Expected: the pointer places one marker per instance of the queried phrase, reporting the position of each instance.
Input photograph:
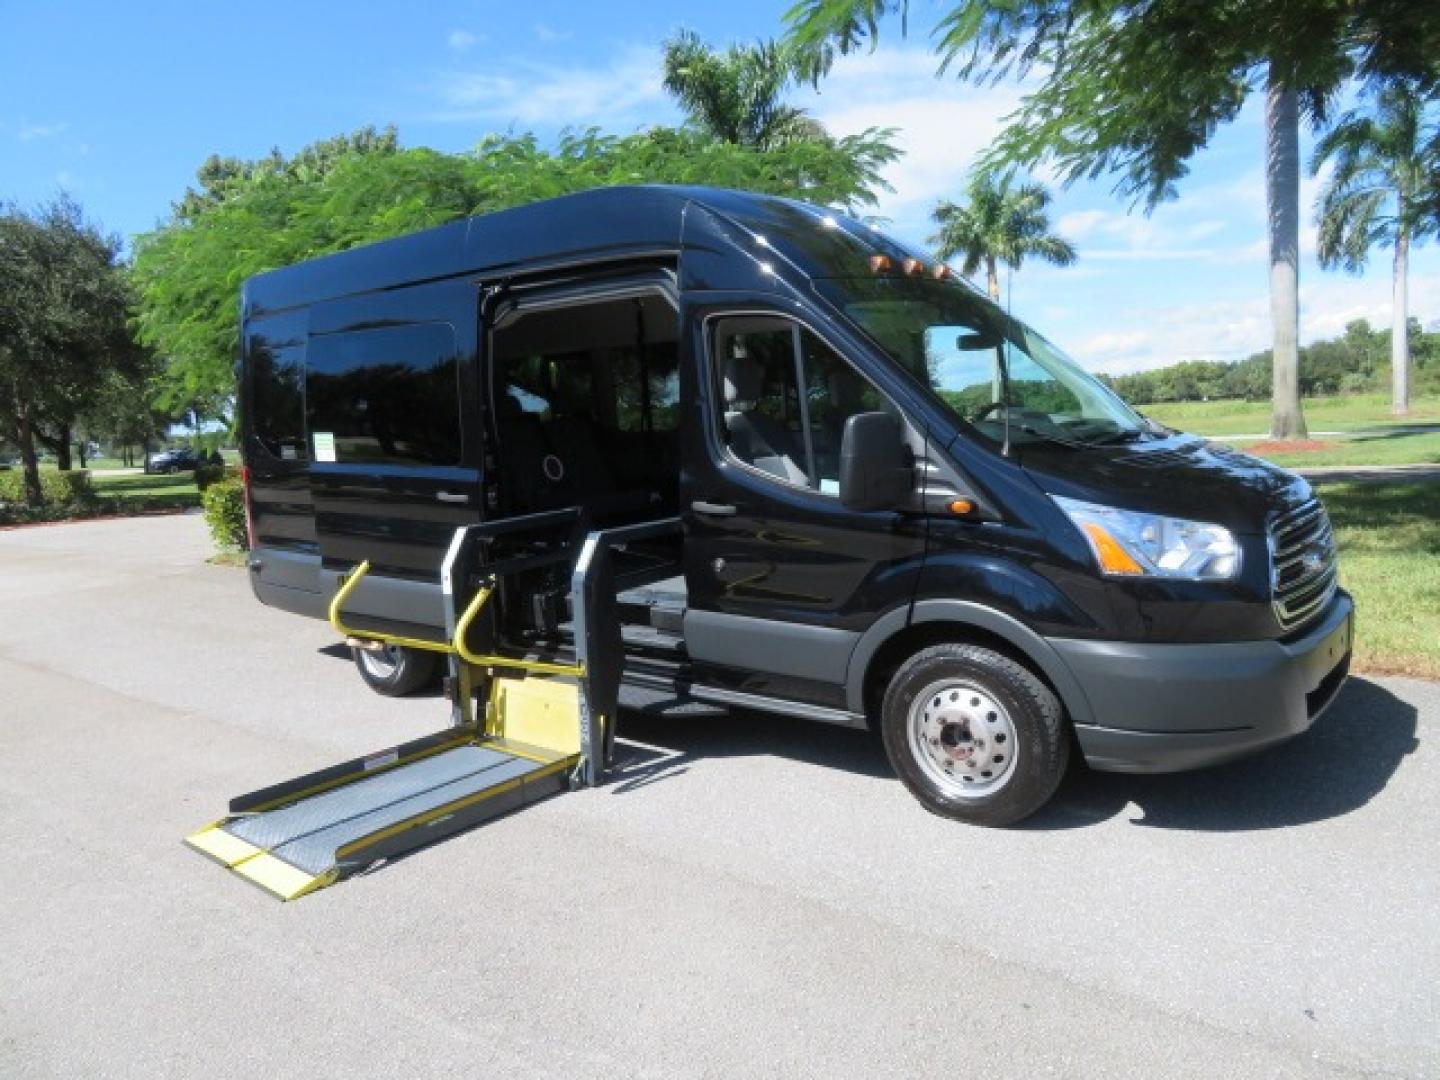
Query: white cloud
(549, 34)
(26, 131)
(943, 124)
(460, 40)
(550, 95)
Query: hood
(1177, 475)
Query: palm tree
(1385, 190)
(999, 224)
(735, 95)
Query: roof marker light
(881, 264)
(913, 267)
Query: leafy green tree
(190, 270)
(1136, 87)
(999, 223)
(120, 411)
(63, 326)
(219, 177)
(1383, 190)
(737, 96)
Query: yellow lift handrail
(343, 594)
(462, 628)
(538, 667)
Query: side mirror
(876, 472)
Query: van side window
(387, 396)
(277, 396)
(761, 364)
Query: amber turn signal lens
(1114, 559)
(943, 273)
(962, 506)
(881, 264)
(914, 267)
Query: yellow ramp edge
(279, 878)
(216, 843)
(259, 867)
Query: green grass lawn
(1389, 537)
(155, 492)
(1347, 413)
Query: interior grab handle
(452, 496)
(713, 509)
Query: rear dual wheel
(974, 735)
(394, 670)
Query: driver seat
(755, 438)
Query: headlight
(1130, 544)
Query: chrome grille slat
(1296, 596)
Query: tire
(396, 671)
(974, 735)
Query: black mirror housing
(876, 471)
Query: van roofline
(600, 223)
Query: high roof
(612, 222)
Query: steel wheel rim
(962, 738)
(381, 663)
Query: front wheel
(974, 735)
(394, 670)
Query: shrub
(224, 503)
(206, 475)
(58, 488)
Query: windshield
(993, 371)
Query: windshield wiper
(1123, 435)
(1059, 440)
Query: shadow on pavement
(1338, 766)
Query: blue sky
(120, 103)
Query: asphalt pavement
(749, 896)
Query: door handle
(713, 509)
(452, 496)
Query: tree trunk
(80, 449)
(62, 449)
(1282, 197)
(25, 440)
(992, 278)
(1400, 329)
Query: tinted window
(388, 396)
(277, 398)
(762, 362)
(273, 397)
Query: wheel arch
(902, 632)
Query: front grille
(1304, 572)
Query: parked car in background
(181, 459)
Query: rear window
(386, 396)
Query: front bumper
(1165, 708)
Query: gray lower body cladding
(1165, 708)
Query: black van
(901, 507)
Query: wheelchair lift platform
(546, 727)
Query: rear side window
(276, 401)
(386, 396)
